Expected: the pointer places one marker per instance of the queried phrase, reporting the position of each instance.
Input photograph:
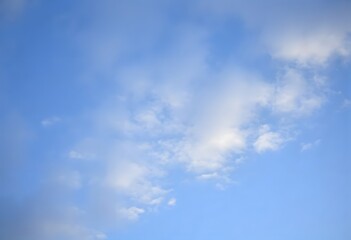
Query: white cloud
(50, 121)
(178, 107)
(100, 236)
(297, 95)
(135, 181)
(221, 179)
(206, 176)
(310, 41)
(175, 110)
(148, 118)
(75, 155)
(312, 48)
(268, 140)
(208, 132)
(131, 213)
(71, 179)
(346, 103)
(310, 145)
(209, 152)
(86, 149)
(172, 202)
(218, 130)
(309, 36)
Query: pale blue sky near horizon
(175, 120)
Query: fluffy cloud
(219, 129)
(297, 95)
(268, 140)
(134, 180)
(210, 120)
(315, 47)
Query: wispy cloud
(172, 202)
(346, 103)
(310, 145)
(296, 94)
(131, 213)
(47, 122)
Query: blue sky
(175, 119)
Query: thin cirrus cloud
(175, 103)
(47, 122)
(310, 145)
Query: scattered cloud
(346, 103)
(218, 131)
(181, 106)
(172, 202)
(131, 213)
(291, 33)
(135, 181)
(136, 138)
(310, 145)
(47, 122)
(221, 179)
(297, 95)
(76, 155)
(70, 179)
(311, 48)
(207, 176)
(268, 140)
